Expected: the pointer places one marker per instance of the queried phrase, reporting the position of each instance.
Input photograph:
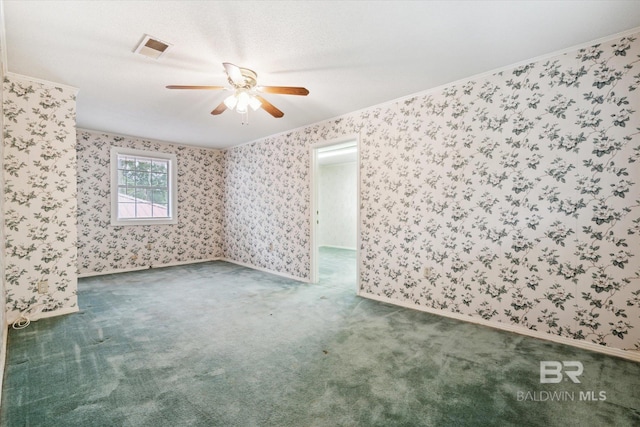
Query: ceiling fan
(244, 83)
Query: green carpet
(215, 344)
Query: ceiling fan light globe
(254, 103)
(243, 82)
(243, 101)
(231, 102)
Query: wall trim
(146, 139)
(44, 315)
(3, 286)
(41, 81)
(3, 356)
(175, 264)
(172, 186)
(47, 314)
(453, 83)
(106, 272)
(313, 185)
(266, 270)
(338, 247)
(584, 345)
(504, 68)
(128, 270)
(3, 56)
(193, 261)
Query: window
(143, 186)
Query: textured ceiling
(349, 54)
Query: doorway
(335, 205)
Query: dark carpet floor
(215, 344)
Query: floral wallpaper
(338, 205)
(197, 235)
(513, 197)
(39, 195)
(520, 193)
(3, 313)
(266, 221)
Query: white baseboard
(265, 270)
(196, 261)
(337, 247)
(173, 264)
(13, 316)
(106, 272)
(127, 270)
(3, 357)
(585, 345)
(55, 313)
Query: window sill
(127, 222)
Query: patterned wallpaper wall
(3, 304)
(266, 221)
(39, 195)
(519, 191)
(198, 234)
(338, 205)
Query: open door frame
(315, 267)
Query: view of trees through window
(143, 187)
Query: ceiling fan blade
(195, 87)
(284, 90)
(269, 108)
(234, 73)
(219, 109)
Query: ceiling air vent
(152, 47)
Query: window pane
(160, 166)
(125, 162)
(158, 180)
(160, 211)
(142, 185)
(125, 177)
(143, 194)
(160, 196)
(142, 179)
(125, 195)
(143, 165)
(126, 210)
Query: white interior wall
(338, 204)
(3, 315)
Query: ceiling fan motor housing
(250, 78)
(245, 81)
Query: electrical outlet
(43, 286)
(427, 272)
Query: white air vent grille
(151, 47)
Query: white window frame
(172, 181)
